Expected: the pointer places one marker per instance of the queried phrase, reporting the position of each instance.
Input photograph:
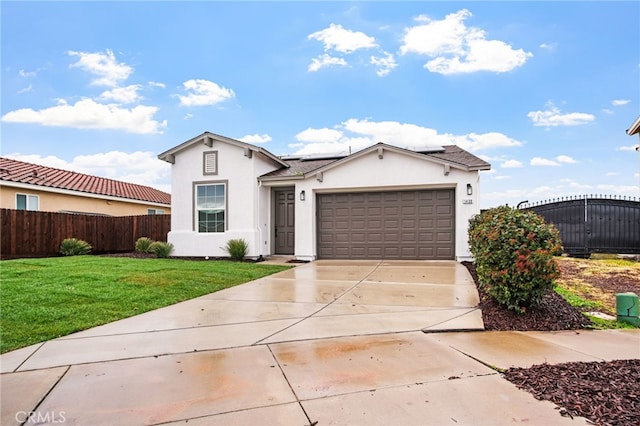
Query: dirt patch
(599, 280)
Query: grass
(575, 299)
(47, 298)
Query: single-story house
(382, 202)
(27, 186)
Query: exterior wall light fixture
(302, 195)
(469, 189)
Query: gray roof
(450, 154)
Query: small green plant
(513, 251)
(74, 247)
(237, 249)
(161, 249)
(143, 244)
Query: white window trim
(155, 211)
(37, 197)
(194, 214)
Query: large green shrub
(143, 244)
(74, 246)
(237, 249)
(513, 251)
(161, 249)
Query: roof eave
(169, 155)
(279, 178)
(635, 127)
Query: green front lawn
(42, 299)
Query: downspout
(259, 220)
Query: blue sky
(544, 91)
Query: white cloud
(324, 61)
(204, 92)
(123, 95)
(457, 49)
(157, 84)
(88, 114)
(631, 190)
(104, 65)
(27, 89)
(384, 63)
(256, 138)
(612, 174)
(553, 117)
(140, 167)
(538, 161)
(627, 148)
(319, 135)
(335, 37)
(27, 74)
(548, 46)
(566, 159)
(607, 111)
(620, 102)
(355, 134)
(511, 164)
(475, 142)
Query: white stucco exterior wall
(247, 213)
(395, 171)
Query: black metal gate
(594, 224)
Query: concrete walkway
(330, 342)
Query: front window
(155, 211)
(211, 206)
(27, 202)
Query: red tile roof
(34, 174)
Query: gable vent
(211, 163)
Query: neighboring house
(26, 186)
(382, 202)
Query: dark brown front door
(285, 221)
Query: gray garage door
(387, 225)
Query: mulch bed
(605, 393)
(554, 313)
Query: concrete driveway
(330, 342)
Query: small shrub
(74, 247)
(513, 251)
(161, 249)
(143, 244)
(237, 249)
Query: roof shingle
(34, 174)
(450, 153)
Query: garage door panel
(374, 224)
(408, 224)
(374, 237)
(393, 225)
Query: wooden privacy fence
(39, 234)
(594, 224)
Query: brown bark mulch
(605, 393)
